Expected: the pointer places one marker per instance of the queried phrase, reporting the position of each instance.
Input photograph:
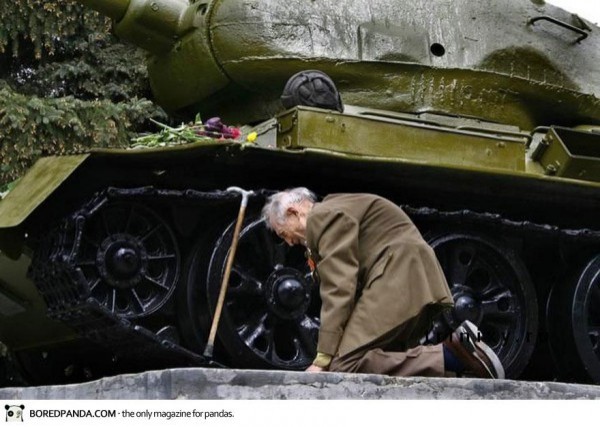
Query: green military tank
(481, 119)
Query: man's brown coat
(375, 269)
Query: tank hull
(524, 241)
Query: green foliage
(66, 84)
(44, 24)
(6, 188)
(33, 126)
(99, 69)
(59, 49)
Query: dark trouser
(388, 355)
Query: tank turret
(536, 65)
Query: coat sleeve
(336, 241)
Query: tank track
(67, 293)
(497, 223)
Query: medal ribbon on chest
(312, 265)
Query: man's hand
(321, 363)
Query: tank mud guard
(45, 176)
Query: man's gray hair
(277, 204)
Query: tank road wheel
(270, 318)
(491, 288)
(573, 314)
(192, 304)
(129, 258)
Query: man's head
(286, 213)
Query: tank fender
(45, 176)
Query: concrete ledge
(202, 383)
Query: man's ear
(291, 210)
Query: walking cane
(208, 350)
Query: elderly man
(380, 284)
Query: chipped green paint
(41, 180)
(232, 59)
